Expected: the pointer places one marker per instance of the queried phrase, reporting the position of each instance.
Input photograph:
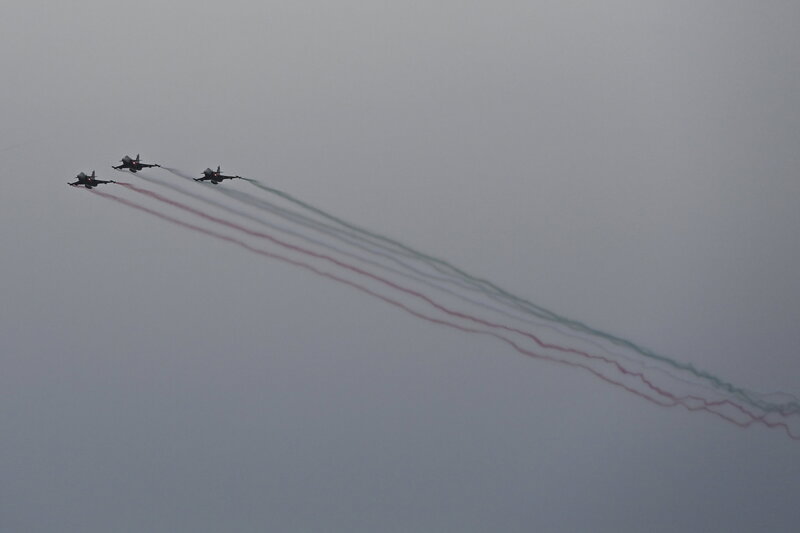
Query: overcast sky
(631, 164)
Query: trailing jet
(88, 181)
(134, 165)
(214, 176)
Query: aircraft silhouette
(134, 165)
(214, 176)
(88, 181)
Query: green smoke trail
(486, 285)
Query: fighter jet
(88, 181)
(134, 165)
(214, 176)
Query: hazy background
(632, 164)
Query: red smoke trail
(673, 400)
(381, 251)
(370, 275)
(386, 299)
(537, 340)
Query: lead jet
(88, 181)
(214, 176)
(134, 165)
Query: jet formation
(88, 181)
(215, 176)
(134, 165)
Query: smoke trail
(420, 277)
(672, 400)
(751, 397)
(374, 277)
(372, 247)
(291, 216)
(637, 375)
(332, 230)
(745, 395)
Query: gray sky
(633, 165)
